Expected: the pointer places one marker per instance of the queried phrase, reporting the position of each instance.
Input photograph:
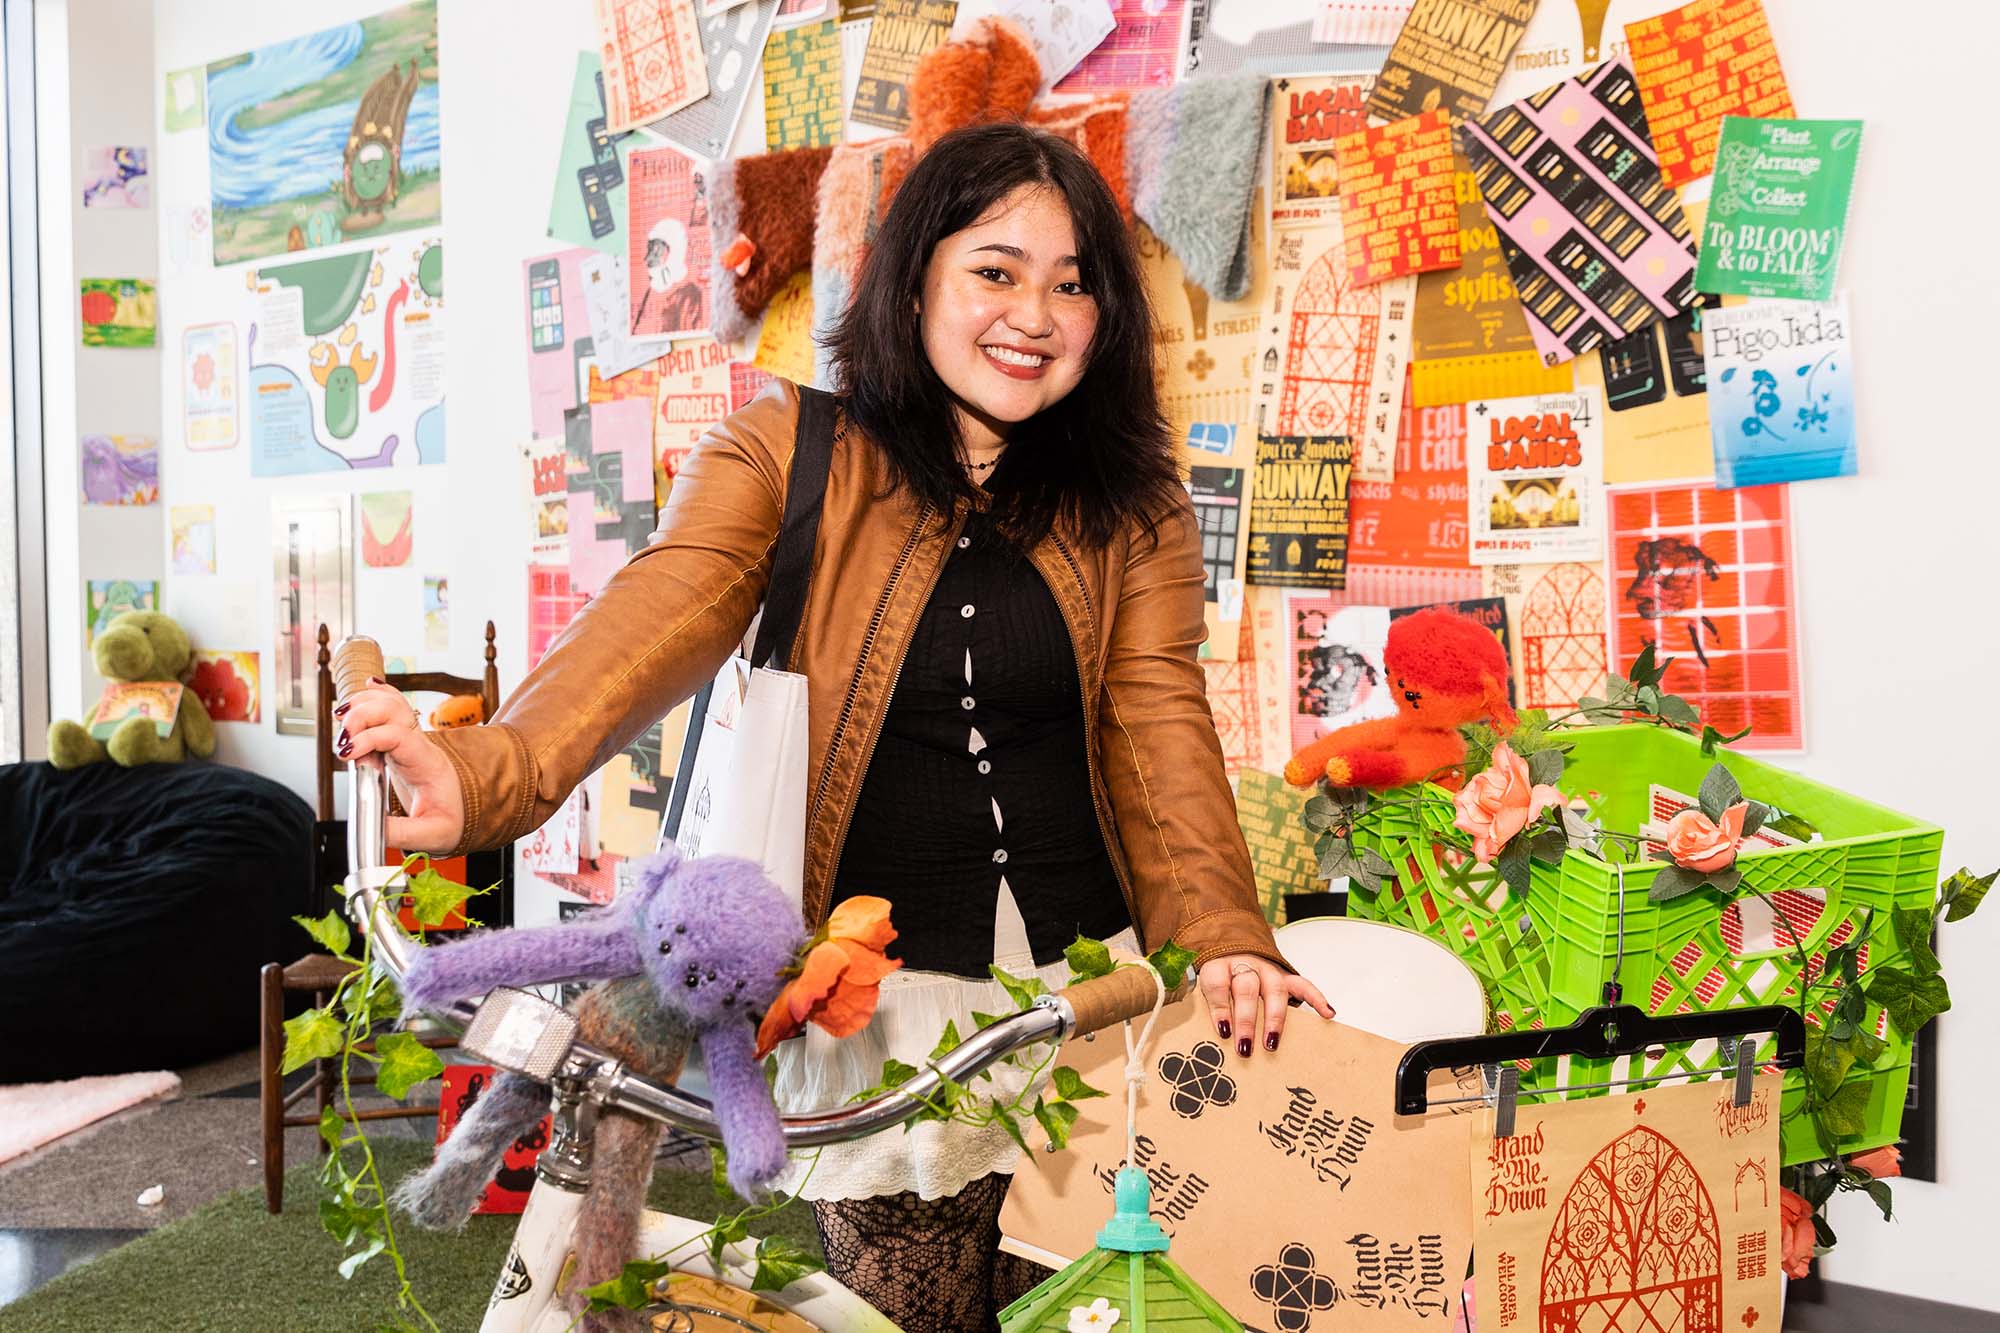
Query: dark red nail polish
(377, 680)
(341, 710)
(1243, 1047)
(1222, 1029)
(1270, 1041)
(343, 740)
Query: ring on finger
(1238, 969)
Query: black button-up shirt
(980, 773)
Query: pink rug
(32, 1114)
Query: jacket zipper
(854, 688)
(1090, 748)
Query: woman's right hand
(377, 719)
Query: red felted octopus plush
(1445, 669)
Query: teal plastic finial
(1132, 1229)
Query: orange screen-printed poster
(1417, 520)
(1399, 207)
(1652, 1210)
(1704, 61)
(1706, 575)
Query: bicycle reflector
(520, 1031)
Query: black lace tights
(931, 1265)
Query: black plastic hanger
(1606, 1032)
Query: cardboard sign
(158, 701)
(1291, 1190)
(507, 1192)
(1649, 1210)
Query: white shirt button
(966, 703)
(1000, 856)
(986, 766)
(965, 612)
(964, 542)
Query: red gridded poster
(1144, 51)
(1707, 575)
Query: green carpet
(232, 1266)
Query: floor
(72, 1200)
(76, 1198)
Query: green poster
(1779, 209)
(587, 205)
(1281, 851)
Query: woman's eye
(992, 274)
(1071, 289)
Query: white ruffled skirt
(817, 1072)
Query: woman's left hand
(1248, 995)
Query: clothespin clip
(1742, 1051)
(1502, 1086)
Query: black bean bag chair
(136, 907)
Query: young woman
(1010, 737)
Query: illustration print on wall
(326, 138)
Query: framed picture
(312, 581)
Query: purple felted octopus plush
(713, 935)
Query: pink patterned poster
(667, 223)
(1599, 245)
(1144, 52)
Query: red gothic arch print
(1635, 1247)
(1562, 637)
(1329, 352)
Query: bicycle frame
(527, 1298)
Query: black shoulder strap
(805, 497)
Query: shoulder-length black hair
(1098, 462)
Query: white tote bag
(746, 787)
(742, 782)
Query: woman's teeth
(1014, 358)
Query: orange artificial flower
(1881, 1163)
(1795, 1226)
(840, 978)
(1499, 802)
(1698, 844)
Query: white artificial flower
(1098, 1316)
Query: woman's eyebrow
(1016, 252)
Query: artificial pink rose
(1881, 1163)
(1795, 1227)
(1499, 802)
(1697, 844)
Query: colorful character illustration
(342, 382)
(371, 168)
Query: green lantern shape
(1126, 1285)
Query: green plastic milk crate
(1546, 959)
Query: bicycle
(522, 1032)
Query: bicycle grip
(1128, 992)
(354, 661)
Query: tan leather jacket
(669, 619)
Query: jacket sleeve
(659, 628)
(1162, 760)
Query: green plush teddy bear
(162, 720)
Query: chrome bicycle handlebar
(1086, 1007)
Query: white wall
(91, 390)
(1900, 640)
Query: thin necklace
(981, 467)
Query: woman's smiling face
(1006, 320)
